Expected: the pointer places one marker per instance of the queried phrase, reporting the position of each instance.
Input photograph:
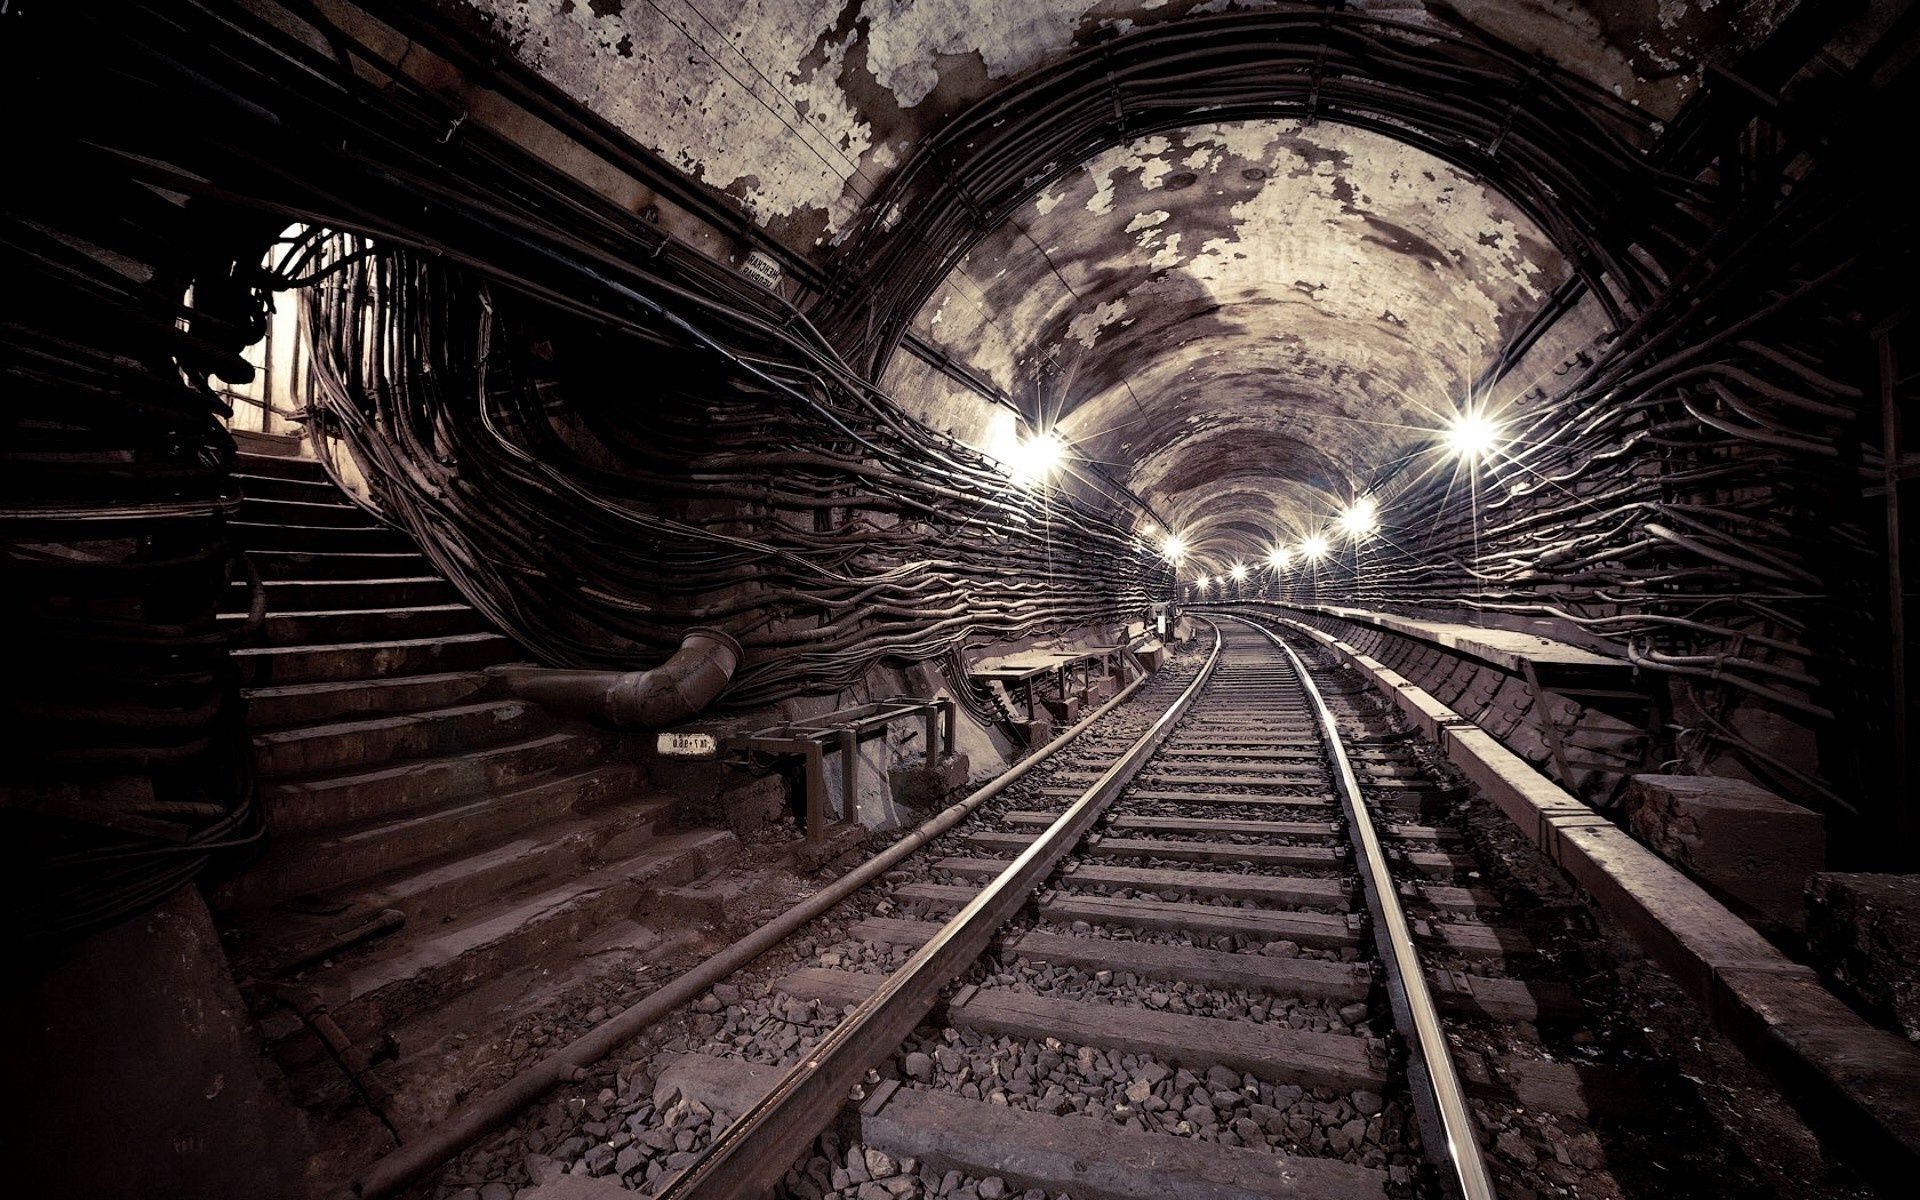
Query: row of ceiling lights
(1469, 436)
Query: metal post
(849, 772)
(816, 791)
(1904, 819)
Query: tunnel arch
(1572, 157)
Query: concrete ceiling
(800, 108)
(1242, 320)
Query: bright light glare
(1471, 435)
(1314, 548)
(1035, 459)
(1174, 548)
(1201, 582)
(1239, 572)
(1361, 518)
(1280, 559)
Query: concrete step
(265, 666)
(325, 595)
(343, 626)
(340, 801)
(253, 535)
(337, 746)
(335, 511)
(425, 966)
(279, 466)
(305, 703)
(337, 564)
(442, 861)
(275, 487)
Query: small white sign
(689, 745)
(760, 266)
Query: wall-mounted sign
(759, 265)
(688, 745)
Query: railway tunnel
(960, 599)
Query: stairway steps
(338, 801)
(325, 595)
(280, 487)
(421, 968)
(279, 466)
(269, 665)
(337, 564)
(335, 700)
(382, 860)
(333, 512)
(350, 625)
(252, 535)
(368, 742)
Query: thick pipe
(673, 691)
(460, 1130)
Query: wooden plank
(1216, 852)
(1269, 889)
(1272, 1052)
(1222, 825)
(1186, 797)
(1327, 930)
(1306, 978)
(1320, 930)
(1096, 1159)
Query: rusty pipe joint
(675, 690)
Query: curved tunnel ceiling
(1243, 321)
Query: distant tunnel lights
(1361, 518)
(1174, 548)
(1280, 559)
(1314, 548)
(1035, 459)
(1239, 572)
(1471, 436)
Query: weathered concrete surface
(800, 108)
(1248, 317)
(925, 787)
(150, 1090)
(1748, 846)
(1863, 932)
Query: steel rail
(1444, 1107)
(752, 1154)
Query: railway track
(1233, 932)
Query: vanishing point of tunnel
(959, 599)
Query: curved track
(1235, 819)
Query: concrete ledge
(1509, 650)
(1861, 1084)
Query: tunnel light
(1314, 548)
(1174, 548)
(1035, 459)
(1239, 572)
(1471, 435)
(1361, 518)
(1280, 559)
(1201, 581)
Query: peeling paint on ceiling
(1244, 320)
(800, 108)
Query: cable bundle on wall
(1693, 498)
(631, 485)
